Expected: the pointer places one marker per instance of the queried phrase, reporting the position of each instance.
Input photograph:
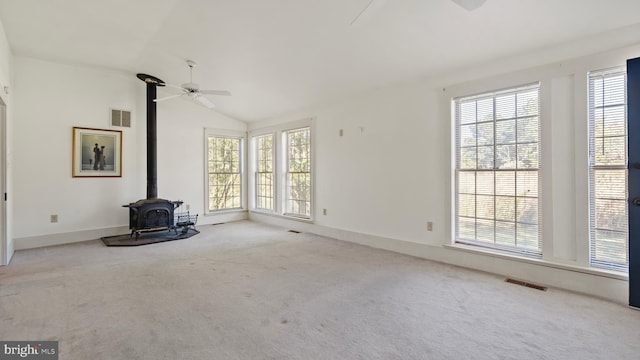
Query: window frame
(256, 171)
(208, 133)
(593, 167)
(280, 155)
(287, 172)
(494, 169)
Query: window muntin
(608, 169)
(298, 172)
(224, 173)
(264, 175)
(497, 170)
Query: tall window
(497, 165)
(224, 171)
(608, 169)
(264, 175)
(298, 172)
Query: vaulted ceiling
(277, 56)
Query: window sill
(282, 216)
(507, 256)
(225, 212)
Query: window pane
(614, 90)
(485, 230)
(466, 182)
(610, 184)
(484, 207)
(506, 107)
(505, 208)
(611, 214)
(528, 156)
(485, 183)
(485, 134)
(527, 210)
(506, 156)
(527, 236)
(528, 129)
(610, 248)
(467, 228)
(611, 151)
(467, 113)
(527, 103)
(506, 132)
(506, 183)
(527, 183)
(467, 205)
(468, 158)
(485, 110)
(505, 233)
(468, 135)
(485, 157)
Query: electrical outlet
(429, 226)
(324, 211)
(188, 207)
(54, 218)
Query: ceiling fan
(192, 90)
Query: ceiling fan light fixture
(469, 5)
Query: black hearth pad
(147, 238)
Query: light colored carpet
(249, 291)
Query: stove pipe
(152, 151)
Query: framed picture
(96, 153)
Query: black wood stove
(151, 214)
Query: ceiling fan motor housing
(191, 87)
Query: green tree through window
(298, 174)
(224, 171)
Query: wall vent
(120, 118)
(524, 283)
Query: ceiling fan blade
(174, 86)
(469, 5)
(215, 92)
(167, 97)
(204, 101)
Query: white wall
(391, 172)
(51, 99)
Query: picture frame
(96, 152)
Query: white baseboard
(222, 217)
(552, 275)
(31, 242)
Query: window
(497, 167)
(264, 174)
(281, 159)
(298, 173)
(608, 169)
(224, 172)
